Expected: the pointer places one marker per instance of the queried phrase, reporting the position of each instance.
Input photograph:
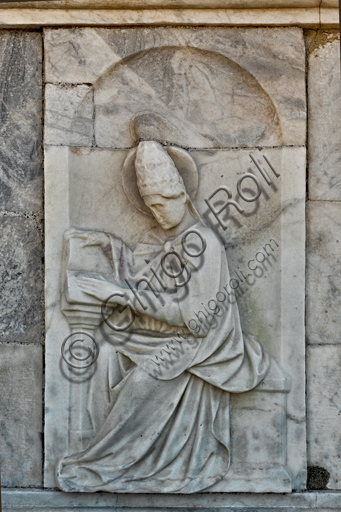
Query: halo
(183, 162)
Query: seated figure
(164, 426)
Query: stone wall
(22, 262)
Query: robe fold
(159, 401)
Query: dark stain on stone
(319, 38)
(318, 478)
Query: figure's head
(168, 211)
(160, 184)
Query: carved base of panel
(47, 500)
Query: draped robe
(159, 401)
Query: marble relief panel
(186, 145)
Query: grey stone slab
(328, 500)
(212, 87)
(21, 281)
(20, 415)
(44, 500)
(324, 120)
(323, 304)
(21, 120)
(324, 412)
(68, 115)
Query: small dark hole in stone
(318, 478)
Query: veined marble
(183, 124)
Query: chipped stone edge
(35, 18)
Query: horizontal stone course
(47, 500)
(201, 4)
(314, 17)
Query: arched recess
(194, 98)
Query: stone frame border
(52, 17)
(45, 501)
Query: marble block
(20, 415)
(47, 500)
(324, 114)
(21, 281)
(213, 87)
(41, 15)
(85, 56)
(68, 115)
(323, 272)
(20, 127)
(271, 456)
(169, 4)
(329, 3)
(189, 186)
(324, 410)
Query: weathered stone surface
(68, 115)
(324, 114)
(329, 3)
(311, 18)
(91, 59)
(21, 281)
(329, 18)
(141, 70)
(20, 415)
(324, 410)
(20, 120)
(47, 500)
(323, 272)
(220, 94)
(169, 4)
(76, 196)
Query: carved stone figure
(159, 398)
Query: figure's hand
(95, 238)
(101, 290)
(90, 238)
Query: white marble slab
(68, 115)
(323, 272)
(260, 74)
(76, 196)
(324, 410)
(324, 114)
(227, 102)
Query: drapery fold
(163, 426)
